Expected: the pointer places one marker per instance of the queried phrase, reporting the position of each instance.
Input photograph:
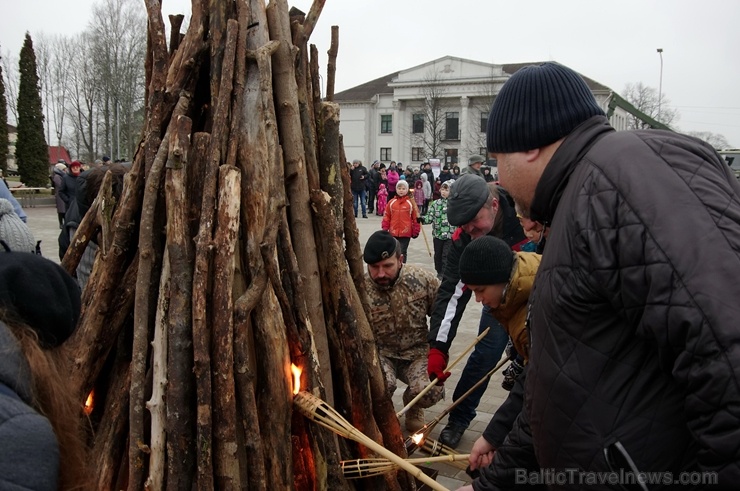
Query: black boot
(451, 435)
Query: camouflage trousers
(414, 374)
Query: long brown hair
(53, 399)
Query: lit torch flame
(417, 438)
(296, 378)
(88, 409)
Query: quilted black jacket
(635, 315)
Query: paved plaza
(43, 223)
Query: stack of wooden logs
(232, 253)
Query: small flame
(296, 378)
(88, 409)
(417, 438)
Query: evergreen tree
(31, 151)
(3, 125)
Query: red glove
(436, 363)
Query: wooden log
(340, 299)
(224, 408)
(274, 400)
(156, 404)
(156, 116)
(286, 100)
(175, 24)
(138, 448)
(181, 385)
(331, 66)
(110, 439)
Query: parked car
(732, 157)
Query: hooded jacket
(400, 217)
(512, 312)
(29, 455)
(634, 315)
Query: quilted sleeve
(663, 244)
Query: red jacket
(400, 218)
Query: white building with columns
(435, 110)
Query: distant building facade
(435, 110)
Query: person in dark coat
(634, 362)
(358, 184)
(60, 171)
(42, 446)
(373, 184)
(68, 189)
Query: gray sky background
(612, 42)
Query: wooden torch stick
(319, 411)
(356, 469)
(449, 367)
(411, 446)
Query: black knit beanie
(537, 106)
(41, 294)
(486, 261)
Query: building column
(464, 132)
(397, 151)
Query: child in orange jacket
(401, 218)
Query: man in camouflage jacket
(400, 299)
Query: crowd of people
(606, 263)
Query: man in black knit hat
(634, 361)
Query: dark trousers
(359, 196)
(404, 246)
(484, 357)
(371, 200)
(441, 249)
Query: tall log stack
(231, 254)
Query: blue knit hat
(537, 106)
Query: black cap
(486, 261)
(41, 294)
(537, 106)
(468, 194)
(381, 245)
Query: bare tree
(118, 30)
(83, 97)
(717, 141)
(646, 100)
(429, 132)
(480, 105)
(10, 77)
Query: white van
(732, 157)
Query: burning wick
(88, 408)
(417, 438)
(296, 378)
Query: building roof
(58, 153)
(595, 86)
(368, 90)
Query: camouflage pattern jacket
(398, 313)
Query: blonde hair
(53, 399)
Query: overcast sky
(613, 42)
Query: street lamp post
(660, 86)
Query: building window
(483, 122)
(452, 126)
(417, 123)
(385, 154)
(451, 155)
(482, 151)
(417, 154)
(386, 123)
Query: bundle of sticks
(229, 255)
